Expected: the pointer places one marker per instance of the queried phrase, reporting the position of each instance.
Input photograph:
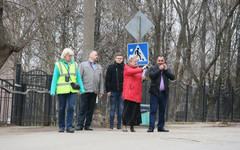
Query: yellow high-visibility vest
(64, 87)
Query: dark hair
(118, 54)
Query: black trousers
(86, 109)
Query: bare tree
(9, 41)
(238, 56)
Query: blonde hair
(67, 51)
(132, 57)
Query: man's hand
(79, 93)
(163, 67)
(144, 77)
(144, 67)
(100, 95)
(108, 94)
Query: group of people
(123, 84)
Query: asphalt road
(190, 136)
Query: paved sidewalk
(189, 136)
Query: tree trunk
(238, 57)
(203, 43)
(156, 13)
(182, 35)
(89, 26)
(5, 50)
(97, 23)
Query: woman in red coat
(132, 93)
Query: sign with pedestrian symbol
(141, 51)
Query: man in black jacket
(159, 91)
(114, 86)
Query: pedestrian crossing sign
(140, 50)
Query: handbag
(75, 85)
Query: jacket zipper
(130, 87)
(117, 79)
(138, 94)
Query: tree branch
(26, 41)
(219, 37)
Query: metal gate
(6, 99)
(33, 105)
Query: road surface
(182, 136)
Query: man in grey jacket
(92, 77)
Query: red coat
(132, 84)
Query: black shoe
(110, 127)
(119, 127)
(150, 130)
(163, 130)
(88, 128)
(132, 129)
(79, 128)
(61, 130)
(70, 130)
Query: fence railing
(194, 103)
(6, 100)
(22, 105)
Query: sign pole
(139, 29)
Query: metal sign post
(139, 29)
(138, 26)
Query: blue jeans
(86, 108)
(116, 101)
(70, 100)
(155, 102)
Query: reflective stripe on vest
(64, 87)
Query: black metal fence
(36, 105)
(31, 104)
(193, 103)
(26, 101)
(199, 104)
(6, 100)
